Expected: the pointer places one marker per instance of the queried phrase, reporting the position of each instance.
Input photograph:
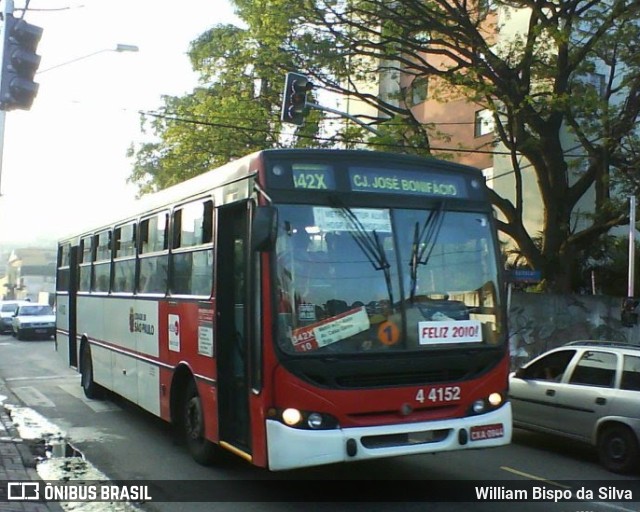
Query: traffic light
(628, 313)
(19, 63)
(294, 100)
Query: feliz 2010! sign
(449, 331)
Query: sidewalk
(17, 463)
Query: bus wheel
(90, 388)
(202, 450)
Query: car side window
(631, 373)
(550, 367)
(595, 368)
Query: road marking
(42, 377)
(32, 397)
(533, 477)
(95, 405)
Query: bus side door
(232, 347)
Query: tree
(235, 108)
(538, 86)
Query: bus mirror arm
(264, 229)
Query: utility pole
(632, 246)
(629, 313)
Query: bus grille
(399, 379)
(411, 438)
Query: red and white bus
(299, 308)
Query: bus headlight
(486, 404)
(479, 406)
(291, 417)
(309, 420)
(495, 399)
(314, 420)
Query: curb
(17, 461)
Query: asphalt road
(121, 442)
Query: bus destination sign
(313, 177)
(365, 179)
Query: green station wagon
(585, 390)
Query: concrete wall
(538, 322)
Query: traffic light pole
(7, 8)
(294, 103)
(344, 114)
(3, 116)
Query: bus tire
(89, 386)
(202, 450)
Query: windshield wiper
(424, 240)
(368, 242)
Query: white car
(34, 320)
(585, 390)
(8, 308)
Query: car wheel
(89, 386)
(202, 450)
(20, 335)
(618, 449)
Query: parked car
(7, 309)
(33, 321)
(585, 390)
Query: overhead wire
(323, 139)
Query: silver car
(585, 390)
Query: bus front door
(232, 350)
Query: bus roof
(243, 167)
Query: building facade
(30, 274)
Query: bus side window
(181, 276)
(154, 254)
(102, 267)
(86, 254)
(62, 282)
(192, 258)
(124, 266)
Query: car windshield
(367, 279)
(35, 311)
(9, 308)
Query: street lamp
(119, 48)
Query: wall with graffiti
(538, 322)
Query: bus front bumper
(290, 448)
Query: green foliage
(573, 66)
(235, 108)
(610, 273)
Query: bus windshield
(354, 280)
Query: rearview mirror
(264, 229)
(519, 373)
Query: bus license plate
(484, 432)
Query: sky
(64, 162)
